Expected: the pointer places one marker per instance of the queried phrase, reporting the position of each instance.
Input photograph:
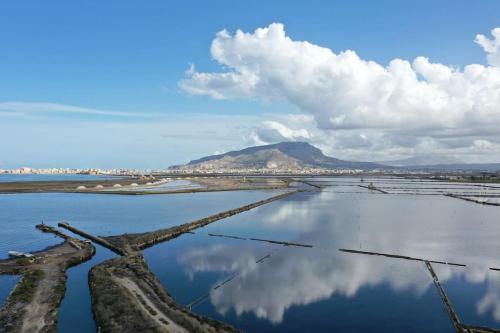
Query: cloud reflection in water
(436, 228)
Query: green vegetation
(26, 288)
(24, 261)
(89, 253)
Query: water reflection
(436, 228)
(76, 307)
(490, 301)
(100, 215)
(301, 277)
(105, 214)
(7, 283)
(220, 258)
(474, 292)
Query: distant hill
(477, 167)
(438, 162)
(298, 155)
(284, 155)
(422, 160)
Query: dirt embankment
(62, 185)
(127, 297)
(33, 304)
(134, 186)
(242, 183)
(140, 241)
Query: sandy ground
(160, 317)
(33, 304)
(39, 307)
(133, 186)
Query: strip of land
(284, 243)
(397, 256)
(64, 185)
(373, 188)
(127, 296)
(143, 185)
(481, 202)
(449, 307)
(33, 304)
(134, 242)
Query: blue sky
(128, 57)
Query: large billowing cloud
(408, 106)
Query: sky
(147, 85)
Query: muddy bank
(127, 297)
(62, 185)
(371, 187)
(203, 184)
(33, 304)
(465, 198)
(143, 186)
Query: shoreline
(125, 288)
(141, 186)
(33, 304)
(121, 287)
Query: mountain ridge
(300, 155)
(292, 155)
(423, 160)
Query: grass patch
(24, 261)
(25, 289)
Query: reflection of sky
(105, 214)
(101, 215)
(76, 306)
(475, 293)
(430, 227)
(7, 283)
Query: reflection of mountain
(433, 228)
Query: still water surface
(272, 288)
(100, 215)
(321, 289)
(7, 282)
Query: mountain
(422, 160)
(473, 167)
(439, 162)
(284, 155)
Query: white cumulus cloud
(405, 101)
(491, 46)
